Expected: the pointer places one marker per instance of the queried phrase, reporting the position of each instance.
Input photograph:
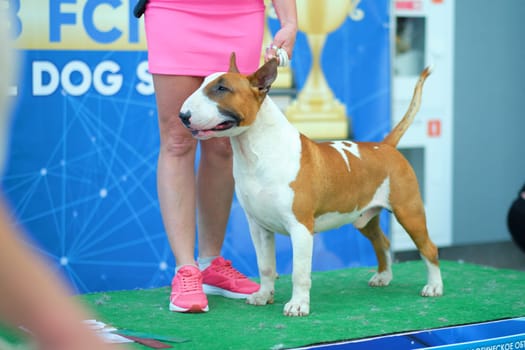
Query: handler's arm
(287, 13)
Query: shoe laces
(190, 281)
(228, 270)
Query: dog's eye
(222, 88)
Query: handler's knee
(217, 149)
(178, 146)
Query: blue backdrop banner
(81, 174)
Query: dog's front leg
(302, 246)
(264, 243)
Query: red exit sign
(415, 5)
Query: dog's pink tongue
(225, 125)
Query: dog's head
(226, 104)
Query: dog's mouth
(225, 125)
(206, 133)
(232, 119)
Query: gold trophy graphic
(315, 111)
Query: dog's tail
(400, 129)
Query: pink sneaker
(186, 291)
(221, 278)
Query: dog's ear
(233, 64)
(265, 76)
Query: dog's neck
(264, 139)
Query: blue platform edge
(506, 334)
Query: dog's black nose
(185, 117)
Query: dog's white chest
(268, 206)
(263, 174)
(264, 198)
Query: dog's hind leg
(411, 216)
(372, 230)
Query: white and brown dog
(290, 184)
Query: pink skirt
(196, 37)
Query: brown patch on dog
(324, 174)
(242, 97)
(236, 96)
(325, 185)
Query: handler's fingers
(280, 53)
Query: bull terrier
(290, 184)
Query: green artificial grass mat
(342, 307)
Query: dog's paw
(432, 290)
(260, 298)
(381, 279)
(296, 308)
